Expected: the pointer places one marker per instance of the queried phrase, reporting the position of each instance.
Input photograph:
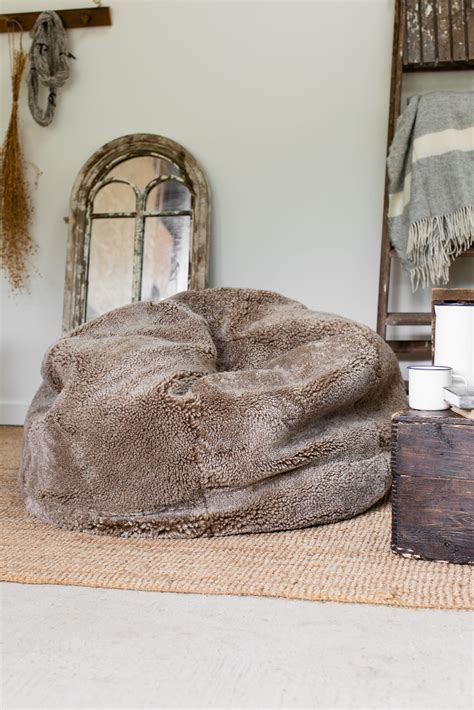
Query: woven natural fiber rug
(344, 562)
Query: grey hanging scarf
(49, 64)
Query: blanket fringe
(434, 242)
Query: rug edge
(399, 604)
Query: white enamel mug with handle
(425, 386)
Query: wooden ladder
(429, 35)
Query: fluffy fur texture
(211, 413)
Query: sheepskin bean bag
(211, 413)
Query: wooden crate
(433, 486)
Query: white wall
(285, 106)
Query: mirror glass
(138, 234)
(166, 257)
(110, 265)
(115, 197)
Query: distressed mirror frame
(95, 170)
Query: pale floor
(71, 647)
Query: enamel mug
(425, 386)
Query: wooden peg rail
(71, 19)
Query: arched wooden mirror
(138, 227)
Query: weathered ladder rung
(408, 319)
(411, 347)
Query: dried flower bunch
(16, 244)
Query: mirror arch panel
(113, 195)
(144, 190)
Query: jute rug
(344, 562)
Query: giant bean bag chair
(213, 412)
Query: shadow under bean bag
(211, 413)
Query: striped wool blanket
(431, 184)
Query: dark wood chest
(433, 486)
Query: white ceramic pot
(454, 340)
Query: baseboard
(13, 413)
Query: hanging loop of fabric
(49, 64)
